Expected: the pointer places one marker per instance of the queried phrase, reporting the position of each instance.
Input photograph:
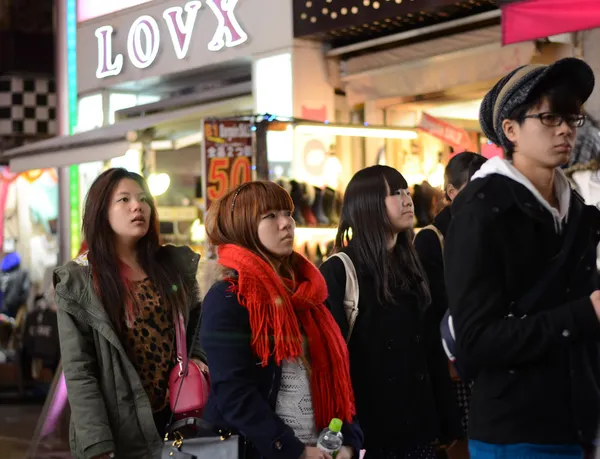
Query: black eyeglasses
(553, 120)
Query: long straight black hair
(366, 225)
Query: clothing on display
(586, 179)
(14, 285)
(317, 252)
(40, 341)
(313, 206)
(43, 257)
(587, 143)
(44, 208)
(11, 220)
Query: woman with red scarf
(279, 364)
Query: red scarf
(277, 317)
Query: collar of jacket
(497, 193)
(73, 282)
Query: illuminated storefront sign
(144, 38)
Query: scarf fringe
(275, 316)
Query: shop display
(585, 177)
(313, 206)
(14, 285)
(29, 211)
(40, 341)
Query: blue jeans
(481, 450)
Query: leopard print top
(151, 343)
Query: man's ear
(509, 127)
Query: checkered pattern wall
(27, 107)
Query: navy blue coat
(243, 393)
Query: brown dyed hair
(109, 273)
(234, 218)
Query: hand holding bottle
(311, 452)
(595, 298)
(346, 453)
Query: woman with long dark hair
(279, 365)
(116, 308)
(429, 241)
(403, 394)
(429, 244)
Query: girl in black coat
(399, 372)
(429, 244)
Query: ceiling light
(350, 131)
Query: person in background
(404, 397)
(429, 240)
(279, 365)
(116, 306)
(429, 244)
(520, 258)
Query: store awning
(110, 141)
(533, 19)
(433, 66)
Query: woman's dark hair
(562, 97)
(461, 168)
(109, 273)
(365, 223)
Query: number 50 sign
(227, 155)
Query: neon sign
(142, 52)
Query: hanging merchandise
(45, 207)
(7, 176)
(14, 285)
(32, 175)
(40, 342)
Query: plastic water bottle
(331, 439)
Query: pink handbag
(188, 385)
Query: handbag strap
(181, 344)
(351, 292)
(437, 232)
(182, 356)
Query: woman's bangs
(394, 179)
(270, 196)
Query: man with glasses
(521, 274)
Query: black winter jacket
(537, 375)
(429, 249)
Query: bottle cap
(336, 425)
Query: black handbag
(194, 438)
